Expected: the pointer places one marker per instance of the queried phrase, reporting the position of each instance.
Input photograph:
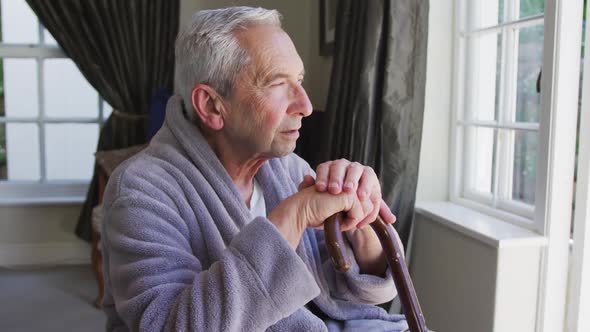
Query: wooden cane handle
(335, 243)
(395, 259)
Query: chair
(107, 161)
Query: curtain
(125, 49)
(375, 104)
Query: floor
(49, 299)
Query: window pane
(19, 23)
(530, 62)
(484, 13)
(525, 166)
(483, 76)
(20, 87)
(107, 109)
(69, 150)
(481, 158)
(67, 93)
(531, 7)
(22, 151)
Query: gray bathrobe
(182, 252)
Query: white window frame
(499, 204)
(579, 278)
(43, 191)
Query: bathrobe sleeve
(159, 285)
(351, 285)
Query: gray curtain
(125, 49)
(376, 98)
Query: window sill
(485, 228)
(40, 201)
(18, 194)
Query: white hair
(207, 50)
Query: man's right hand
(310, 208)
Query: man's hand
(344, 176)
(310, 208)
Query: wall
(41, 235)
(465, 284)
(455, 286)
(434, 153)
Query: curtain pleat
(125, 49)
(375, 104)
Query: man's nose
(300, 103)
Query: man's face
(268, 102)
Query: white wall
(455, 286)
(433, 184)
(466, 285)
(41, 235)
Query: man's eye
(277, 83)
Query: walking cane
(395, 259)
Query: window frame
(579, 278)
(498, 202)
(556, 151)
(43, 191)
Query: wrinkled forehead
(270, 51)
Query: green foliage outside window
(531, 7)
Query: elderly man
(217, 225)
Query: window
(50, 116)
(498, 103)
(513, 147)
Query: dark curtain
(125, 49)
(376, 98)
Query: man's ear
(208, 106)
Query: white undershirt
(257, 204)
